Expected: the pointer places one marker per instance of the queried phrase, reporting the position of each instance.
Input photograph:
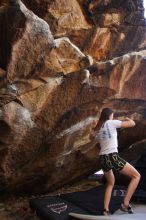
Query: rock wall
(60, 63)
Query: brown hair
(104, 116)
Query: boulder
(59, 66)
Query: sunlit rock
(63, 16)
(66, 57)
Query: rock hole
(4, 128)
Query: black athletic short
(111, 161)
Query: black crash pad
(82, 202)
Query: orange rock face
(60, 63)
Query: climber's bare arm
(127, 123)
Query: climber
(105, 132)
